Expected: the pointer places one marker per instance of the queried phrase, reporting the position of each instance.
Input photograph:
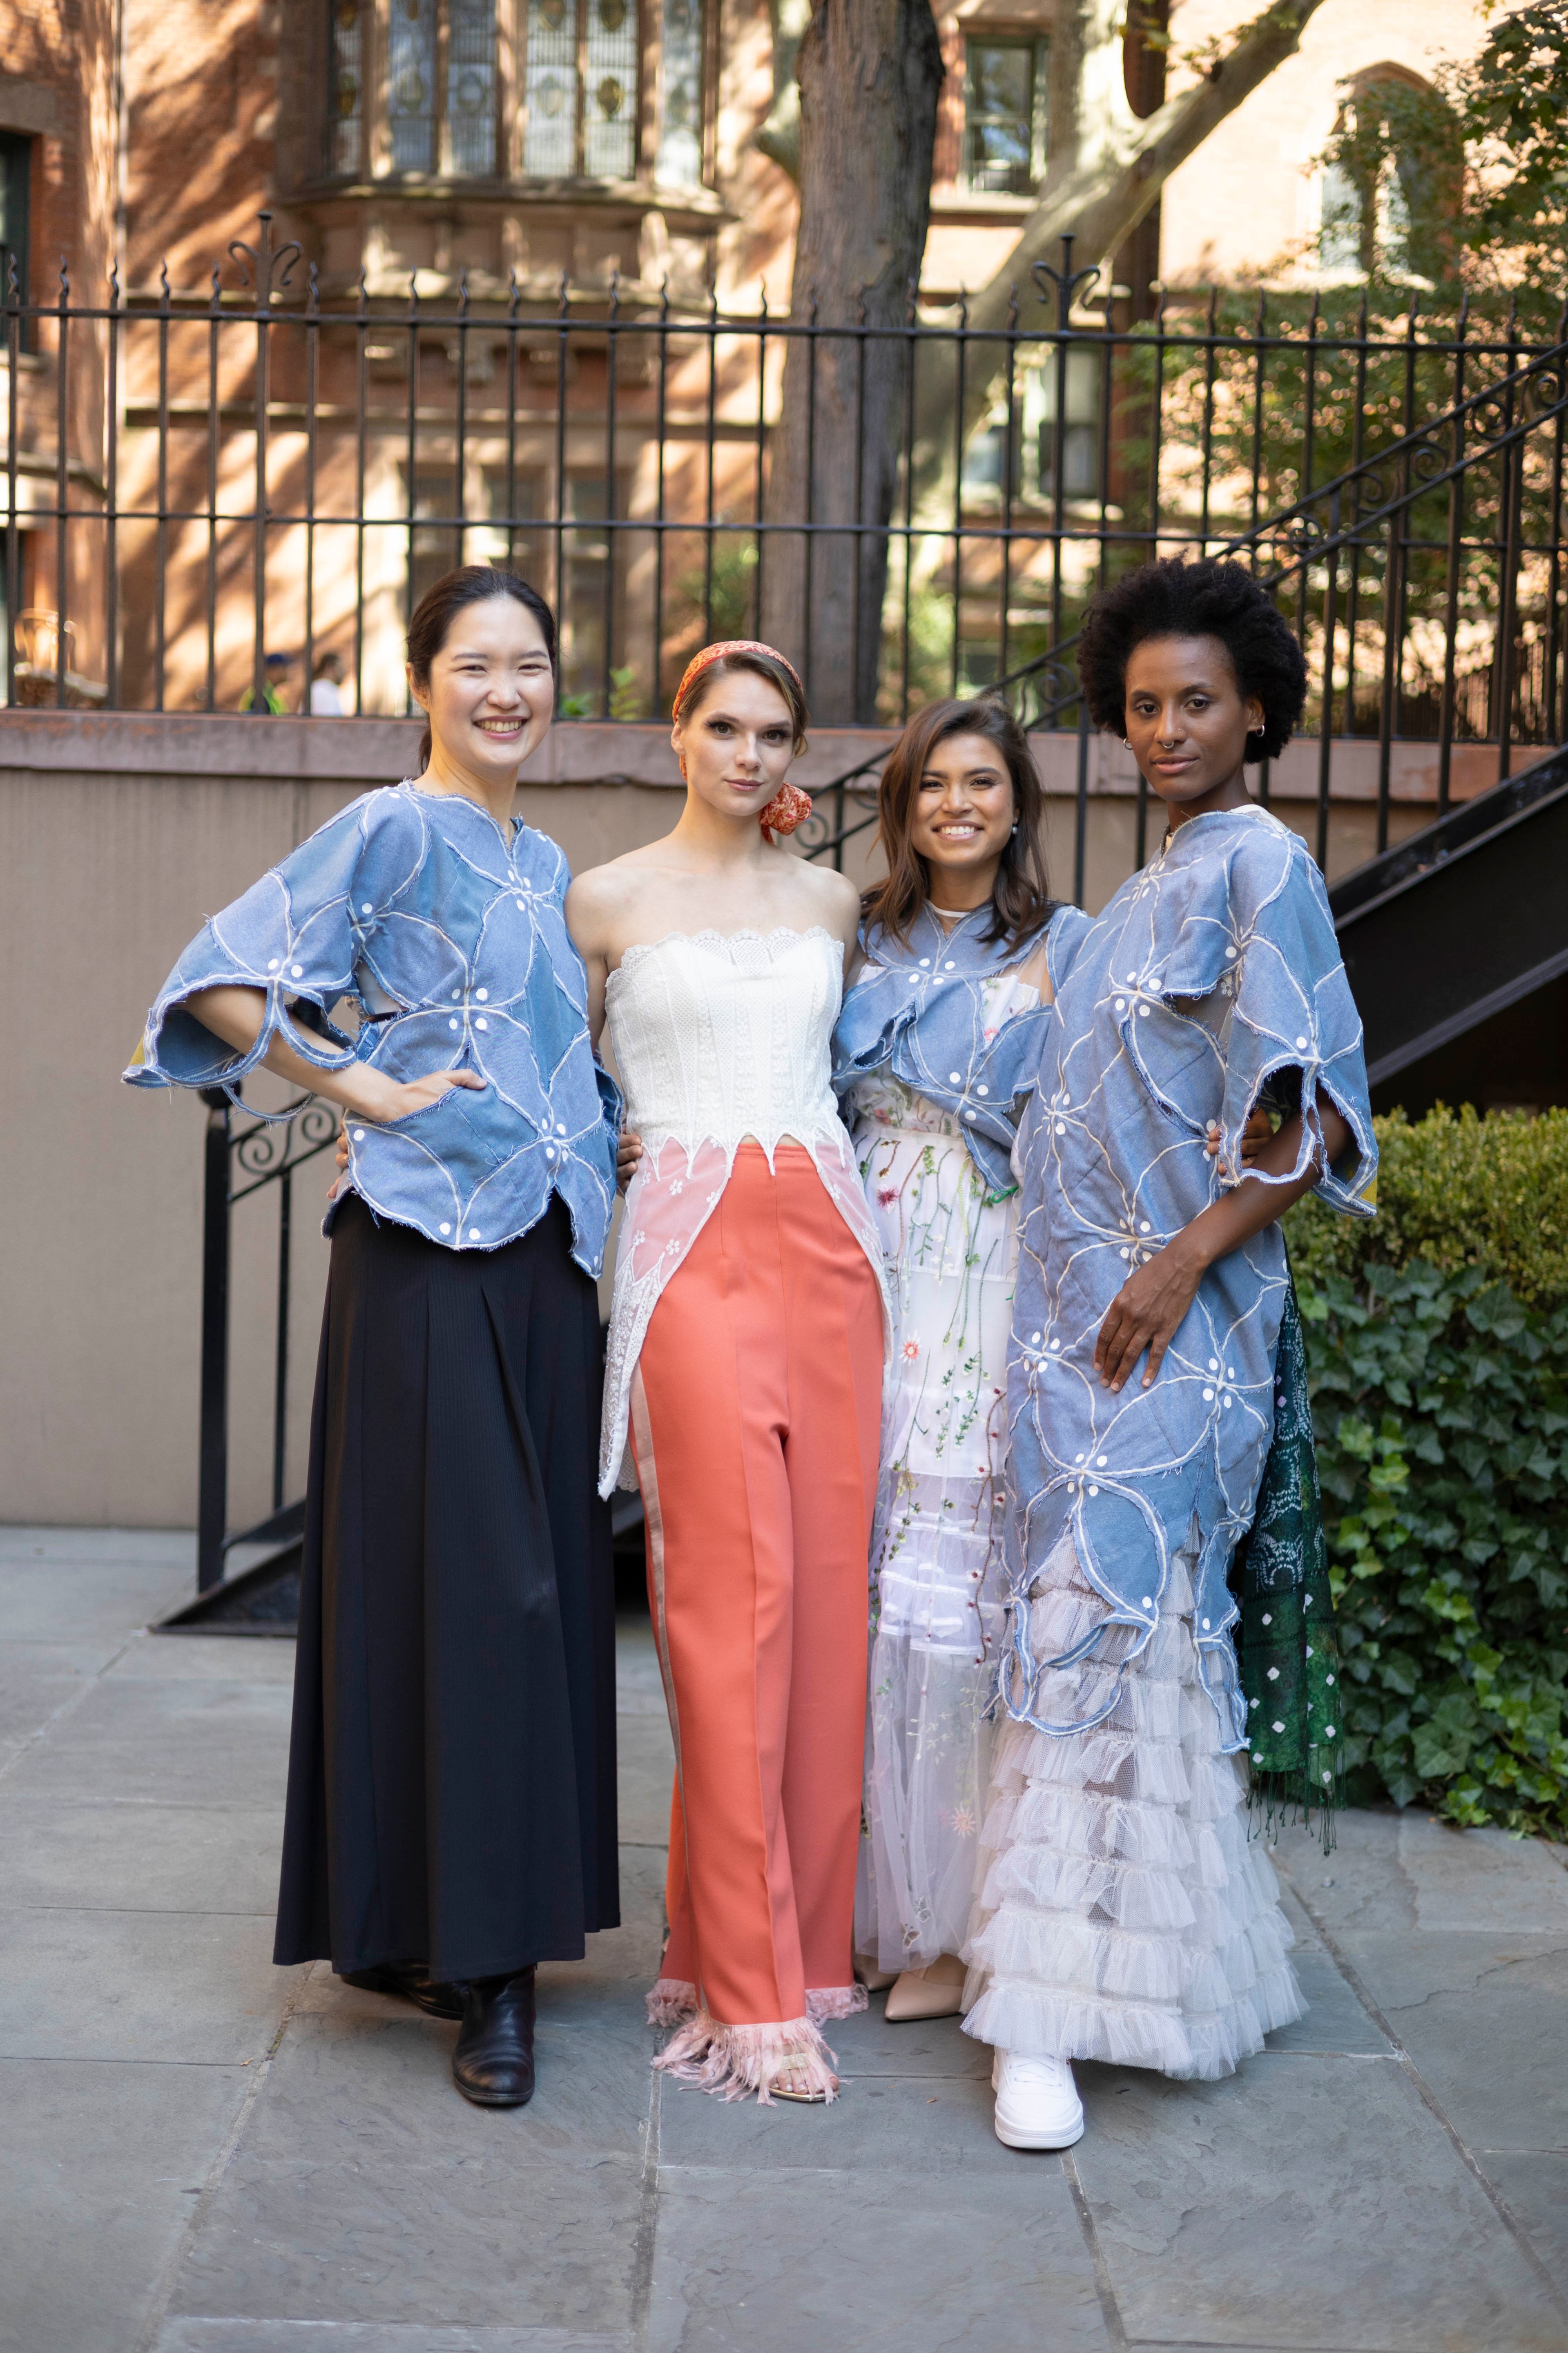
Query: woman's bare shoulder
(834, 899)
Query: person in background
(326, 687)
(273, 700)
(451, 1809)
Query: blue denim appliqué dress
(1122, 1913)
(453, 944)
(1211, 980)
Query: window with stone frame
(1390, 182)
(414, 88)
(1006, 91)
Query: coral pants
(755, 1425)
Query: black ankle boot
(410, 1981)
(493, 2062)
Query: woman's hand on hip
(1146, 1311)
(380, 1099)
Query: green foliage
(1441, 1405)
(1461, 1191)
(1438, 1350)
(1509, 101)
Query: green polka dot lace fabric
(1286, 1648)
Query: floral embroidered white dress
(949, 1252)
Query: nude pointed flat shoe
(936, 1991)
(872, 1977)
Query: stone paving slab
(139, 1986)
(1388, 2177)
(101, 2167)
(780, 2262)
(95, 1855)
(203, 2336)
(1304, 2202)
(206, 1658)
(1434, 1988)
(191, 1743)
(478, 2237)
(37, 1679)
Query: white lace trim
(640, 949)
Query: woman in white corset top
(744, 1378)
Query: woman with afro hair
(1121, 1914)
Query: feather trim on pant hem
(834, 2002)
(670, 2001)
(738, 2063)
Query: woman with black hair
(451, 1810)
(1121, 1915)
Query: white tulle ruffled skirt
(1121, 1911)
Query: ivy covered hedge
(1437, 1345)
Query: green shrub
(1459, 1190)
(1437, 1352)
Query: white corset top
(719, 1037)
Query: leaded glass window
(680, 163)
(1006, 98)
(472, 87)
(346, 95)
(610, 90)
(411, 85)
(550, 137)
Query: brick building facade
(515, 147)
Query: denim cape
(452, 941)
(1232, 920)
(921, 1016)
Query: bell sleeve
(295, 936)
(1294, 1021)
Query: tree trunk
(1112, 168)
(869, 73)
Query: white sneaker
(1037, 2105)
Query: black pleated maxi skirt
(452, 1766)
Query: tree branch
(779, 137)
(1097, 206)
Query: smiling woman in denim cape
(451, 1814)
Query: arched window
(1389, 182)
(416, 89)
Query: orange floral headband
(789, 806)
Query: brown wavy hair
(1021, 901)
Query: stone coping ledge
(293, 749)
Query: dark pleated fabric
(452, 1768)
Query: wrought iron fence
(245, 1155)
(279, 465)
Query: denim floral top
(918, 1012)
(452, 941)
(1212, 980)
